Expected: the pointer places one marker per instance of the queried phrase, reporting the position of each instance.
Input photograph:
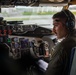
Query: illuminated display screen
(15, 43)
(15, 39)
(24, 43)
(1, 39)
(8, 40)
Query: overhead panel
(30, 2)
(18, 2)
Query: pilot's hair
(65, 13)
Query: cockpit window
(73, 9)
(41, 16)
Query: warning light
(9, 40)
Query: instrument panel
(24, 39)
(20, 45)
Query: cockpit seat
(73, 62)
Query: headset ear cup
(73, 24)
(70, 24)
(67, 25)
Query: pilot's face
(59, 28)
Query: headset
(70, 22)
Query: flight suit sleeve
(56, 64)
